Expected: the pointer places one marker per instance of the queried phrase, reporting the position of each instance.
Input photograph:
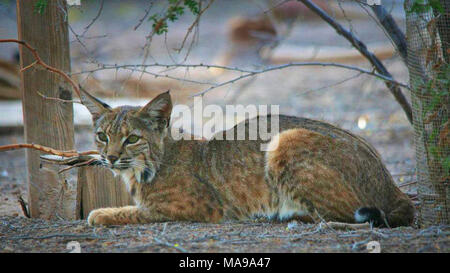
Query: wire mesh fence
(427, 26)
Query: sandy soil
(18, 234)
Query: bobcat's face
(131, 138)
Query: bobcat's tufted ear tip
(159, 107)
(95, 106)
(166, 95)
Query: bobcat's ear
(159, 108)
(94, 105)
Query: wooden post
(98, 188)
(47, 122)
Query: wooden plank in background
(100, 189)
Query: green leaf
(422, 6)
(436, 5)
(434, 150)
(40, 6)
(446, 165)
(192, 5)
(434, 103)
(174, 11)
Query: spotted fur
(314, 171)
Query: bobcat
(315, 170)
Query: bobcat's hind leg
(301, 166)
(121, 216)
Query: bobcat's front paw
(100, 217)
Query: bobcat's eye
(102, 137)
(132, 139)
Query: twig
(275, 6)
(299, 237)
(83, 45)
(149, 38)
(248, 73)
(43, 64)
(237, 242)
(24, 207)
(253, 73)
(164, 229)
(413, 196)
(407, 184)
(57, 99)
(169, 245)
(344, 226)
(95, 18)
(377, 233)
(45, 149)
(143, 70)
(191, 27)
(28, 66)
(358, 245)
(332, 85)
(380, 25)
(65, 235)
(322, 221)
(392, 29)
(147, 11)
(403, 174)
(362, 48)
(79, 36)
(165, 65)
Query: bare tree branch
(99, 12)
(43, 64)
(247, 73)
(362, 48)
(256, 72)
(147, 11)
(46, 150)
(195, 23)
(391, 27)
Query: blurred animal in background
(248, 36)
(254, 40)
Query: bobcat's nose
(112, 158)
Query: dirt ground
(320, 93)
(18, 234)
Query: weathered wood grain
(98, 188)
(47, 122)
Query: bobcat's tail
(372, 215)
(402, 215)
